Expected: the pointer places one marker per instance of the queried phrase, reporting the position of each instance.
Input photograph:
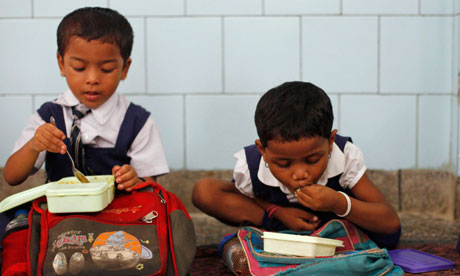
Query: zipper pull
(163, 200)
(150, 217)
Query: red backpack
(139, 233)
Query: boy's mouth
(91, 95)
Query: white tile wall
(390, 67)
(287, 7)
(350, 67)
(393, 7)
(15, 8)
(260, 52)
(59, 8)
(29, 63)
(224, 7)
(434, 125)
(437, 6)
(416, 54)
(216, 128)
(184, 55)
(383, 127)
(14, 109)
(168, 114)
(135, 82)
(336, 109)
(148, 7)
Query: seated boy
(115, 136)
(300, 173)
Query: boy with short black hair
(300, 173)
(109, 134)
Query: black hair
(292, 111)
(96, 23)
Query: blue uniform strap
(341, 141)
(134, 121)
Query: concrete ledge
(428, 192)
(387, 183)
(181, 183)
(425, 199)
(208, 229)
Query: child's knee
(201, 191)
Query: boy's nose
(92, 77)
(300, 174)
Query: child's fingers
(307, 225)
(309, 217)
(126, 177)
(126, 185)
(304, 198)
(50, 138)
(57, 132)
(115, 169)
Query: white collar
(101, 114)
(335, 166)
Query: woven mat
(207, 262)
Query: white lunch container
(299, 245)
(68, 195)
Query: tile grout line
(146, 82)
(399, 190)
(184, 129)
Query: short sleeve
(28, 133)
(241, 175)
(354, 166)
(146, 152)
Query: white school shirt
(100, 129)
(349, 163)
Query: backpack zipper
(153, 214)
(150, 217)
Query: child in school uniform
(300, 173)
(102, 130)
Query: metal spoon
(78, 174)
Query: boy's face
(93, 70)
(297, 163)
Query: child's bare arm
(18, 167)
(369, 208)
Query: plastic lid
(101, 182)
(302, 238)
(414, 261)
(22, 197)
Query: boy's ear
(124, 73)
(332, 139)
(60, 60)
(260, 147)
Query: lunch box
(68, 195)
(299, 245)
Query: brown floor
(425, 233)
(207, 263)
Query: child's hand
(48, 137)
(125, 177)
(318, 197)
(297, 219)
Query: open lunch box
(68, 195)
(299, 245)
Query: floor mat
(207, 262)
